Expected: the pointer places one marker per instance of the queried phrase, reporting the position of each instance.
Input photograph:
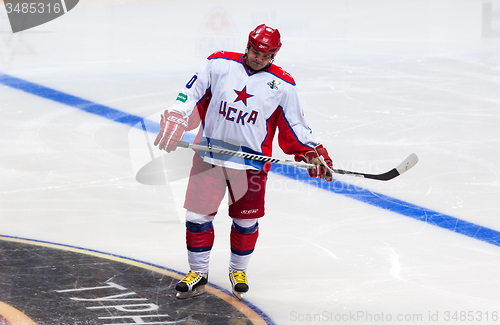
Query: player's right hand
(173, 125)
(321, 160)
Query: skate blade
(196, 292)
(238, 295)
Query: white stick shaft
(245, 155)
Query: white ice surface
(378, 80)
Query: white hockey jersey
(241, 110)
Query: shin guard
(243, 239)
(199, 237)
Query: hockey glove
(173, 125)
(322, 161)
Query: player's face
(257, 60)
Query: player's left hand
(322, 161)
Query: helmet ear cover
(265, 39)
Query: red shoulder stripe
(280, 73)
(226, 55)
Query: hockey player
(240, 101)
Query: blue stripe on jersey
(222, 144)
(281, 78)
(238, 58)
(231, 56)
(291, 129)
(203, 97)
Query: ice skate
(239, 282)
(192, 285)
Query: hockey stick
(408, 163)
(400, 169)
(244, 155)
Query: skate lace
(191, 277)
(239, 277)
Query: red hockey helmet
(265, 39)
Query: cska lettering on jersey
(236, 115)
(233, 102)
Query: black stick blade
(408, 163)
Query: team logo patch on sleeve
(182, 97)
(274, 84)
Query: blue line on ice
(375, 199)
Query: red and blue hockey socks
(199, 240)
(244, 234)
